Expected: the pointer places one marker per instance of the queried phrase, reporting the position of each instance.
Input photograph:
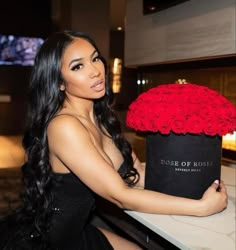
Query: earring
(62, 87)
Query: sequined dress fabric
(73, 205)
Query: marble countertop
(216, 232)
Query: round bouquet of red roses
(184, 125)
(182, 108)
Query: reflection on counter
(229, 141)
(229, 149)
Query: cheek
(103, 69)
(75, 81)
(79, 85)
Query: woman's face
(83, 71)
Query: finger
(222, 187)
(215, 184)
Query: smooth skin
(93, 156)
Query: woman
(75, 149)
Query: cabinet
(220, 79)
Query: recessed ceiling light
(152, 8)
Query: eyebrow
(79, 59)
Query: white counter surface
(215, 232)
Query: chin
(99, 95)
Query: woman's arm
(73, 145)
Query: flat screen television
(152, 6)
(18, 50)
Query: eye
(77, 67)
(96, 59)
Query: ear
(62, 87)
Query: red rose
(179, 126)
(164, 126)
(211, 127)
(195, 124)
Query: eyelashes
(96, 59)
(79, 66)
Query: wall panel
(194, 29)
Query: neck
(83, 108)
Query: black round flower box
(182, 165)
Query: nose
(94, 70)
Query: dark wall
(20, 18)
(14, 82)
(26, 17)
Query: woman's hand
(214, 199)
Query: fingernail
(216, 182)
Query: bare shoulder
(65, 124)
(66, 128)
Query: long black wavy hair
(45, 100)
